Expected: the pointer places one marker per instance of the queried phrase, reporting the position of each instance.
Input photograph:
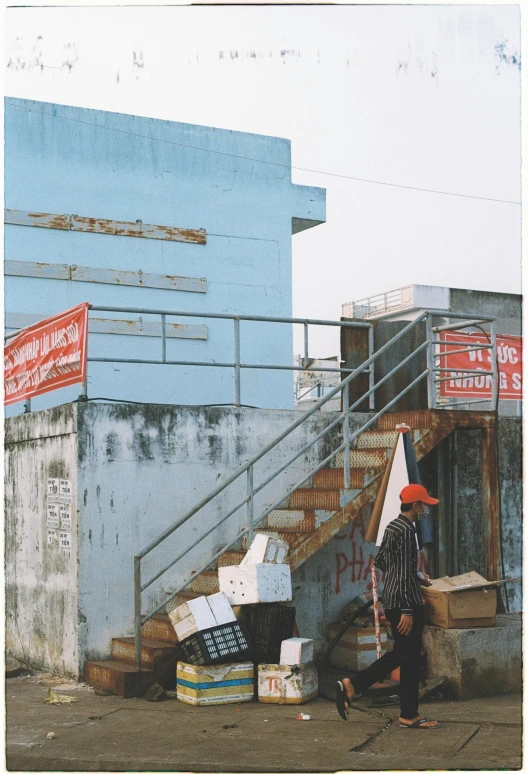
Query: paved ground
(106, 733)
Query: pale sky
(419, 96)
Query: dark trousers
(406, 654)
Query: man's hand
(424, 580)
(405, 624)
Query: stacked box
(357, 648)
(252, 584)
(221, 644)
(270, 626)
(226, 684)
(264, 549)
(284, 684)
(295, 651)
(200, 614)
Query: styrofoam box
(296, 650)
(221, 608)
(266, 548)
(193, 616)
(222, 684)
(253, 583)
(283, 684)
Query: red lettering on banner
(46, 356)
(461, 384)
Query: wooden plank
(104, 226)
(128, 327)
(104, 276)
(59, 271)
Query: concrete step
(205, 583)
(230, 558)
(328, 499)
(291, 520)
(125, 680)
(159, 627)
(332, 478)
(369, 459)
(153, 652)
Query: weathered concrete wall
(477, 662)
(70, 160)
(143, 467)
(41, 580)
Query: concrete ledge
(477, 662)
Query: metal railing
(433, 375)
(236, 365)
(391, 301)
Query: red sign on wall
(46, 356)
(509, 354)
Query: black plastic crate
(271, 625)
(227, 642)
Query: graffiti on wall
(352, 561)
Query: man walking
(397, 558)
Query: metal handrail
(248, 468)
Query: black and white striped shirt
(397, 558)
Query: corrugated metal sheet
(104, 276)
(137, 327)
(103, 226)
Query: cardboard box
(357, 648)
(462, 602)
(282, 684)
(266, 548)
(251, 584)
(193, 616)
(296, 650)
(223, 684)
(221, 608)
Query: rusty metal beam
(103, 226)
(491, 503)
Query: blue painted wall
(69, 160)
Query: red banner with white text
(509, 355)
(46, 356)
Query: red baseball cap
(414, 493)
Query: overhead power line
(263, 161)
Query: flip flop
(341, 699)
(420, 724)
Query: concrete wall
(41, 579)
(143, 467)
(69, 160)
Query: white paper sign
(52, 537)
(53, 490)
(65, 490)
(65, 541)
(65, 516)
(52, 516)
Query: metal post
(27, 406)
(164, 341)
(306, 342)
(237, 360)
(430, 360)
(346, 438)
(137, 610)
(249, 502)
(494, 367)
(491, 503)
(371, 349)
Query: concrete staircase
(306, 520)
